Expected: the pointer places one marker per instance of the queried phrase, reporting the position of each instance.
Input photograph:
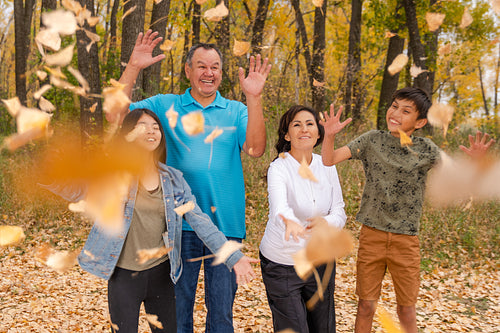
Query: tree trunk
(303, 36)
(112, 57)
(352, 94)
(431, 49)
(222, 41)
(483, 93)
(258, 25)
(152, 74)
(132, 25)
(418, 51)
(23, 14)
(318, 58)
(91, 123)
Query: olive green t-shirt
(146, 229)
(395, 180)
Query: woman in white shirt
(293, 202)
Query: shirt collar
(218, 102)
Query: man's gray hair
(206, 46)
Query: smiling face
(303, 132)
(403, 115)
(149, 139)
(204, 74)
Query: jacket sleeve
(69, 191)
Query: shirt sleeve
(278, 199)
(242, 124)
(336, 216)
(358, 146)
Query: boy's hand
(479, 145)
(332, 124)
(294, 229)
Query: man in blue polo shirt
(213, 169)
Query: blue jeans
(220, 288)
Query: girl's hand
(294, 229)
(244, 271)
(332, 124)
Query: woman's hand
(294, 229)
(244, 270)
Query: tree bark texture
(23, 14)
(258, 26)
(222, 40)
(112, 57)
(318, 58)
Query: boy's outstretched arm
(479, 145)
(333, 126)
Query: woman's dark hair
(283, 145)
(129, 123)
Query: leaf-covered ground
(33, 298)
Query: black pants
(287, 295)
(128, 289)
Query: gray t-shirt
(395, 180)
(146, 229)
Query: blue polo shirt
(212, 170)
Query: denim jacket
(102, 248)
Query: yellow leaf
(56, 72)
(225, 251)
(13, 105)
(444, 50)
(386, 321)
(316, 83)
(10, 235)
(398, 64)
(440, 115)
(167, 45)
(172, 116)
(466, 19)
(187, 207)
(93, 20)
(61, 58)
(404, 139)
(213, 209)
(128, 12)
(153, 320)
(434, 20)
(217, 13)
(200, 2)
(215, 133)
(416, 71)
(303, 266)
(305, 172)
(28, 119)
(240, 48)
(115, 99)
(282, 155)
(389, 34)
(193, 123)
(93, 107)
(317, 3)
(327, 243)
(145, 255)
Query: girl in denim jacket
(149, 222)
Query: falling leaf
(167, 45)
(305, 172)
(444, 50)
(67, 86)
(317, 3)
(193, 123)
(200, 2)
(215, 133)
(46, 105)
(60, 261)
(172, 116)
(41, 91)
(466, 19)
(225, 251)
(240, 48)
(72, 5)
(13, 105)
(48, 38)
(213, 209)
(28, 119)
(187, 207)
(79, 77)
(138, 130)
(78, 207)
(42, 75)
(398, 64)
(217, 13)
(93, 20)
(440, 115)
(303, 266)
(495, 4)
(282, 155)
(153, 320)
(94, 38)
(14, 141)
(115, 99)
(416, 71)
(145, 255)
(404, 139)
(316, 83)
(434, 20)
(61, 58)
(93, 107)
(61, 21)
(390, 34)
(386, 321)
(10, 235)
(56, 72)
(328, 243)
(128, 12)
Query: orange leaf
(217, 13)
(434, 20)
(305, 172)
(398, 64)
(240, 48)
(10, 235)
(215, 133)
(193, 123)
(404, 139)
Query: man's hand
(244, 271)
(294, 229)
(479, 145)
(332, 124)
(253, 84)
(142, 54)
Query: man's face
(205, 73)
(403, 114)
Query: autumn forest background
(322, 52)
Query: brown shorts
(380, 251)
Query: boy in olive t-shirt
(391, 205)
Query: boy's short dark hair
(417, 96)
